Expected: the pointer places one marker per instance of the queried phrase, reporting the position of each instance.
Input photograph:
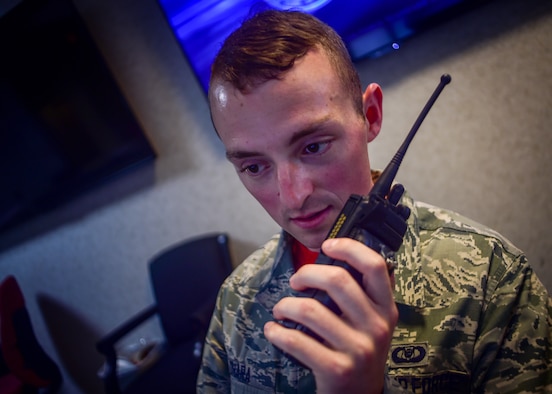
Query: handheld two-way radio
(377, 219)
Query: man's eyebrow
(240, 154)
(297, 136)
(310, 129)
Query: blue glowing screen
(370, 28)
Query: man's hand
(352, 357)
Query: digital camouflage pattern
(474, 317)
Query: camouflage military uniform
(473, 316)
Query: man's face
(297, 144)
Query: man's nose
(294, 185)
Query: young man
(462, 313)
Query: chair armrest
(106, 346)
(119, 332)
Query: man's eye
(316, 147)
(252, 169)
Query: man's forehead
(309, 93)
(220, 95)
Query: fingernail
(268, 328)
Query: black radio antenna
(383, 184)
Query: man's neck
(301, 254)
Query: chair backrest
(185, 279)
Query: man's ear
(372, 100)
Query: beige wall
(484, 151)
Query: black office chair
(185, 280)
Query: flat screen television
(370, 28)
(65, 126)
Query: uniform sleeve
(213, 374)
(512, 352)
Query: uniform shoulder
(441, 220)
(256, 264)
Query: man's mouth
(311, 220)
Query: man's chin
(311, 241)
